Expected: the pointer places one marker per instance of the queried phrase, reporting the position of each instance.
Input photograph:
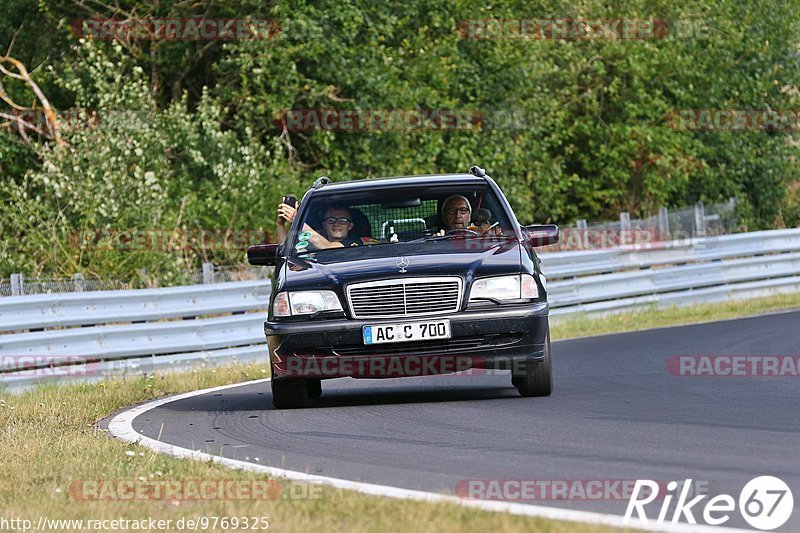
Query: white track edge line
(121, 427)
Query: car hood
(338, 268)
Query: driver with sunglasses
(457, 215)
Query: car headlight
(305, 303)
(504, 288)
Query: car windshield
(397, 217)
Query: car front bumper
(494, 338)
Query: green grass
(50, 440)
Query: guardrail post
(78, 283)
(625, 221)
(663, 223)
(208, 273)
(699, 220)
(17, 285)
(625, 234)
(581, 227)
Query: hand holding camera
(287, 210)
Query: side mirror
(263, 254)
(542, 234)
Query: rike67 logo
(765, 503)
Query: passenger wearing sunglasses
(336, 223)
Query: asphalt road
(616, 413)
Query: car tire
(314, 388)
(289, 394)
(537, 379)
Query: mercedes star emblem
(402, 263)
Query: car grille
(404, 297)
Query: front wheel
(289, 393)
(537, 377)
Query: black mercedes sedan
(406, 276)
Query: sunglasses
(459, 210)
(337, 220)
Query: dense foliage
(187, 133)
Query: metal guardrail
(138, 340)
(600, 288)
(125, 368)
(106, 307)
(723, 293)
(582, 263)
(120, 333)
(91, 335)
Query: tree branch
(22, 122)
(7, 99)
(49, 112)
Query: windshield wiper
(427, 238)
(430, 238)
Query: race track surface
(617, 413)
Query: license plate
(407, 332)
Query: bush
(131, 169)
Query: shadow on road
(348, 392)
